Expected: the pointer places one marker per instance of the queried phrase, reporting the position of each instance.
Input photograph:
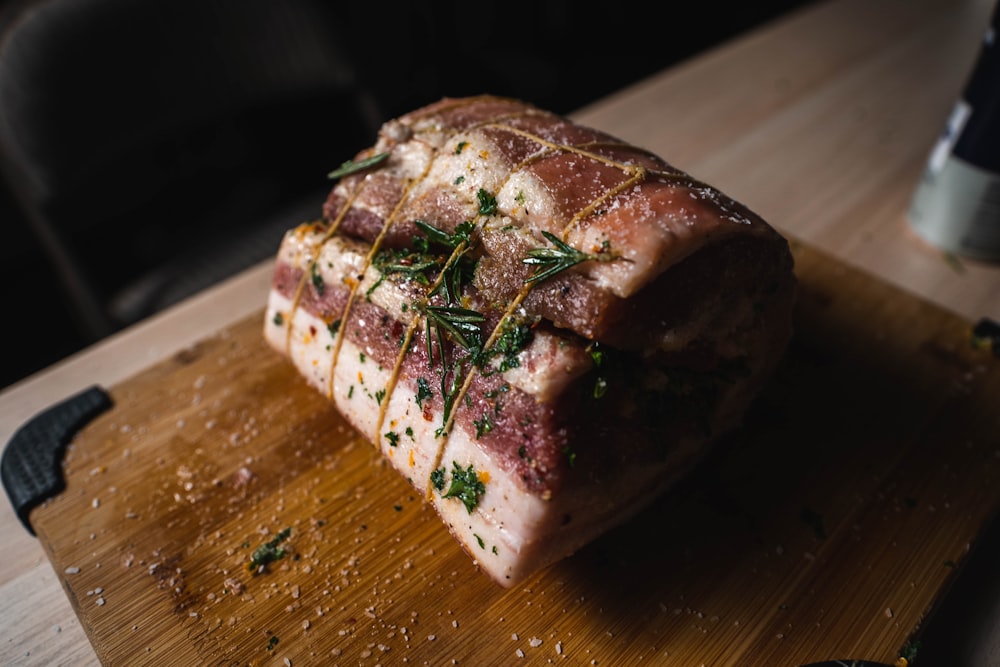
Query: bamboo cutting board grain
(827, 528)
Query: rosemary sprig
(351, 167)
(462, 234)
(458, 270)
(461, 324)
(411, 264)
(553, 260)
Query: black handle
(31, 467)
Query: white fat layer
(512, 532)
(341, 261)
(548, 366)
(527, 202)
(276, 320)
(298, 245)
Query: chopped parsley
(482, 545)
(278, 320)
(437, 479)
(393, 438)
(465, 486)
(317, 279)
(333, 327)
(483, 426)
(268, 552)
(423, 391)
(514, 337)
(487, 202)
(379, 395)
(461, 147)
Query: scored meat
(540, 326)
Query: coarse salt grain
(534, 642)
(72, 570)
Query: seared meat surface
(540, 326)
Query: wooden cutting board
(827, 528)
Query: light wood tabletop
(821, 121)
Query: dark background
(249, 172)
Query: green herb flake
(483, 426)
(317, 279)
(487, 202)
(333, 327)
(461, 147)
(379, 395)
(437, 479)
(465, 486)
(482, 544)
(268, 552)
(570, 455)
(409, 432)
(278, 320)
(393, 438)
(514, 337)
(351, 167)
(423, 391)
(459, 180)
(272, 642)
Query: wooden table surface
(821, 121)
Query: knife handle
(31, 467)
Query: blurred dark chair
(156, 147)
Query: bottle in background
(957, 202)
